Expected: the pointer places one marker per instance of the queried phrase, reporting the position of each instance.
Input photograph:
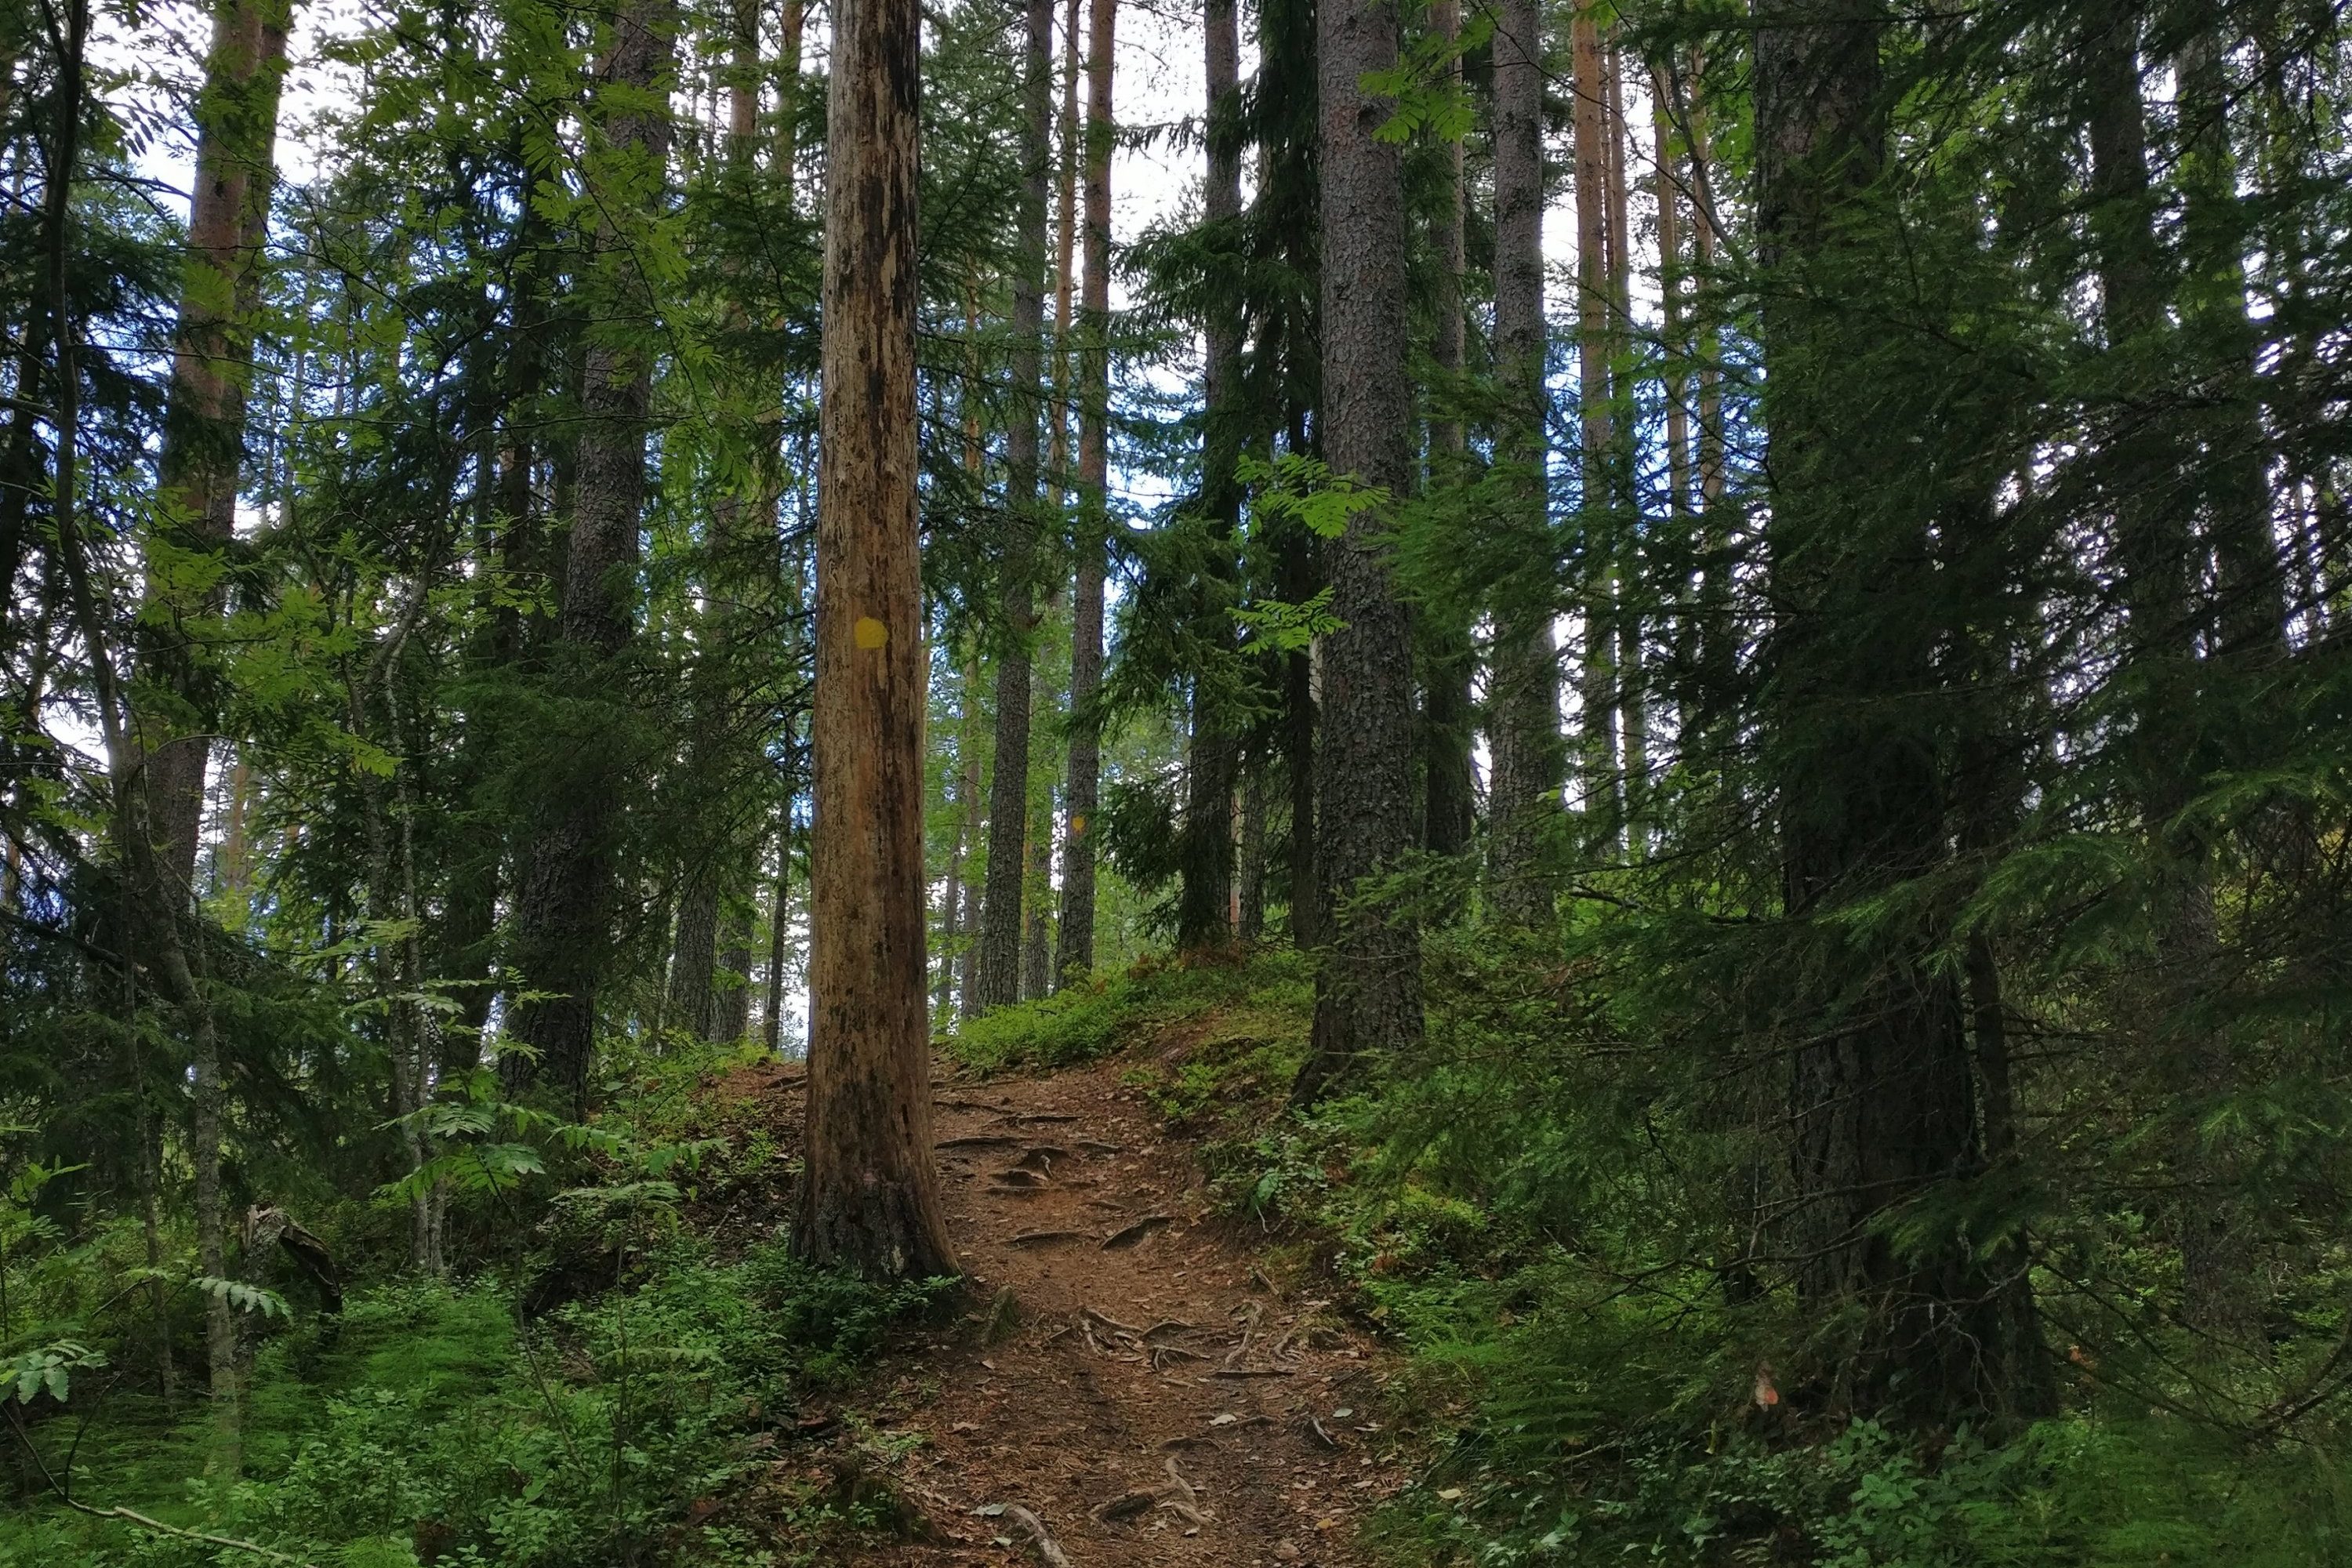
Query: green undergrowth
(1206, 1012)
(623, 1384)
(1524, 1210)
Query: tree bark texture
(1449, 791)
(1008, 808)
(562, 913)
(1529, 753)
(1083, 797)
(1596, 429)
(1881, 1100)
(1368, 989)
(204, 431)
(869, 1199)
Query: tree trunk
(1880, 1102)
(1524, 692)
(1001, 924)
(1449, 793)
(1368, 990)
(562, 911)
(1598, 684)
(870, 1196)
(1679, 513)
(1631, 698)
(1083, 797)
(780, 911)
(204, 431)
(1249, 877)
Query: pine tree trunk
(1249, 877)
(1524, 691)
(694, 955)
(1075, 960)
(1449, 795)
(1679, 513)
(204, 431)
(1001, 918)
(1632, 697)
(780, 911)
(562, 911)
(1368, 990)
(1881, 1101)
(1037, 934)
(870, 1196)
(1597, 684)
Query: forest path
(1157, 1396)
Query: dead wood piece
(1238, 1372)
(1049, 1551)
(1185, 1440)
(1320, 1432)
(1163, 1354)
(1097, 1146)
(1168, 1326)
(1129, 1234)
(979, 1140)
(1042, 1116)
(1017, 1177)
(1249, 1314)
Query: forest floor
(1133, 1371)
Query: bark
(151, 918)
(779, 910)
(1529, 759)
(1083, 798)
(1449, 795)
(694, 955)
(1008, 808)
(967, 817)
(1680, 516)
(1717, 640)
(731, 1008)
(869, 1198)
(1204, 900)
(1881, 1101)
(1597, 686)
(204, 431)
(1631, 697)
(1038, 935)
(2160, 568)
(1368, 990)
(562, 911)
(1249, 876)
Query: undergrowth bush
(422, 1426)
(1112, 1013)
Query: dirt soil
(1130, 1373)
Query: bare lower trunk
(1249, 876)
(870, 1195)
(779, 925)
(1368, 993)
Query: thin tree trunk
(1449, 803)
(870, 1196)
(1008, 813)
(780, 915)
(1038, 935)
(1368, 990)
(1598, 674)
(563, 912)
(1524, 694)
(1631, 698)
(204, 431)
(1679, 513)
(731, 1008)
(1082, 797)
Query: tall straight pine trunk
(869, 1198)
(204, 429)
(1449, 791)
(563, 914)
(1008, 808)
(1880, 1102)
(1368, 989)
(1530, 758)
(1075, 959)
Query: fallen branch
(1049, 1551)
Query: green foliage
(1155, 1000)
(424, 1421)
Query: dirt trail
(1150, 1393)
